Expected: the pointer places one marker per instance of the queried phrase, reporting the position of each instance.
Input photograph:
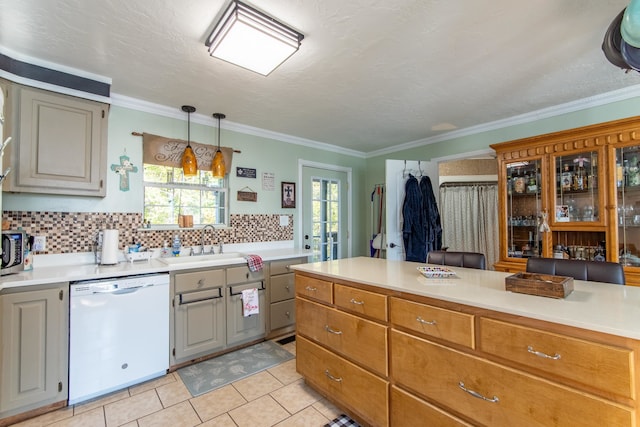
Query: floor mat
(342, 421)
(217, 372)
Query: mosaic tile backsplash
(70, 232)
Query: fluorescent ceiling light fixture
(250, 39)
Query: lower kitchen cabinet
(342, 354)
(282, 307)
(241, 328)
(432, 362)
(364, 393)
(34, 354)
(199, 314)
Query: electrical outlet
(39, 244)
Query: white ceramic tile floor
(275, 397)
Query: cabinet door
(199, 323)
(60, 146)
(524, 208)
(241, 329)
(627, 167)
(34, 349)
(578, 206)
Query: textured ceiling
(369, 75)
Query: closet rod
(467, 184)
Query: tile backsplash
(70, 232)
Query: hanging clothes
(433, 226)
(414, 221)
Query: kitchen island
(392, 347)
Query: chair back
(595, 271)
(457, 259)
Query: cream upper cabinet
(59, 143)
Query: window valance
(159, 150)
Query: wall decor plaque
(245, 172)
(246, 194)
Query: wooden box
(544, 285)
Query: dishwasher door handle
(116, 291)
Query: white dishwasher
(118, 333)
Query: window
(168, 193)
(325, 208)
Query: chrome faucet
(220, 245)
(202, 237)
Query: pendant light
(189, 161)
(217, 166)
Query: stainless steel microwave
(13, 248)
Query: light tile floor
(274, 397)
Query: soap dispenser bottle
(175, 248)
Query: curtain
(159, 150)
(469, 214)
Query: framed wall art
(288, 194)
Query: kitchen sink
(212, 259)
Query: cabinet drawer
(356, 338)
(362, 302)
(282, 266)
(283, 287)
(283, 314)
(495, 395)
(360, 391)
(198, 280)
(409, 410)
(438, 322)
(242, 275)
(321, 290)
(601, 366)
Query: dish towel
(254, 262)
(250, 302)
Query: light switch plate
(39, 244)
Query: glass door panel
(628, 203)
(576, 178)
(524, 189)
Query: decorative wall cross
(123, 170)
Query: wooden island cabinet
(572, 194)
(393, 348)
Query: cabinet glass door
(524, 207)
(579, 231)
(628, 203)
(577, 188)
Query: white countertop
(603, 307)
(73, 267)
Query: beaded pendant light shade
(218, 167)
(189, 161)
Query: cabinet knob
(200, 283)
(288, 314)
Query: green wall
(262, 154)
(281, 158)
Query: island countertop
(602, 307)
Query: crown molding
(556, 110)
(206, 120)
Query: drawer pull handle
(311, 289)
(331, 377)
(473, 393)
(288, 315)
(541, 354)
(353, 301)
(200, 283)
(332, 331)
(288, 267)
(287, 288)
(426, 322)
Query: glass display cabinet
(573, 194)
